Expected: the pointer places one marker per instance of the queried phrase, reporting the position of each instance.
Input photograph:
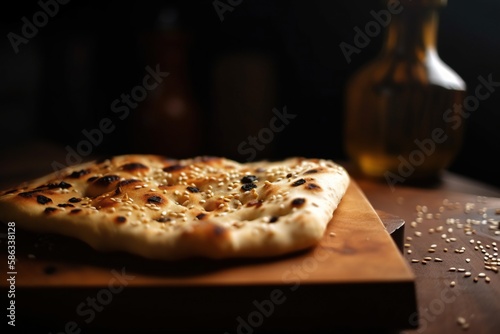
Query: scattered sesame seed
(467, 274)
(415, 261)
(452, 284)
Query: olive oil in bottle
(402, 107)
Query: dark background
(263, 55)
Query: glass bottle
(401, 108)
(168, 121)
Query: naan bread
(161, 208)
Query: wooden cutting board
(356, 278)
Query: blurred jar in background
(401, 107)
(168, 121)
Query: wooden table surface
(454, 225)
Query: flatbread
(168, 209)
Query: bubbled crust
(169, 209)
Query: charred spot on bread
(105, 181)
(11, 191)
(49, 210)
(65, 205)
(74, 200)
(173, 168)
(248, 179)
(311, 171)
(78, 174)
(92, 178)
(163, 219)
(313, 186)
(248, 186)
(273, 219)
(62, 185)
(207, 231)
(298, 202)
(200, 216)
(155, 199)
(219, 230)
(133, 166)
(193, 189)
(298, 182)
(75, 211)
(120, 219)
(43, 199)
(28, 194)
(126, 182)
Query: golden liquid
(385, 121)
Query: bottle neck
(412, 33)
